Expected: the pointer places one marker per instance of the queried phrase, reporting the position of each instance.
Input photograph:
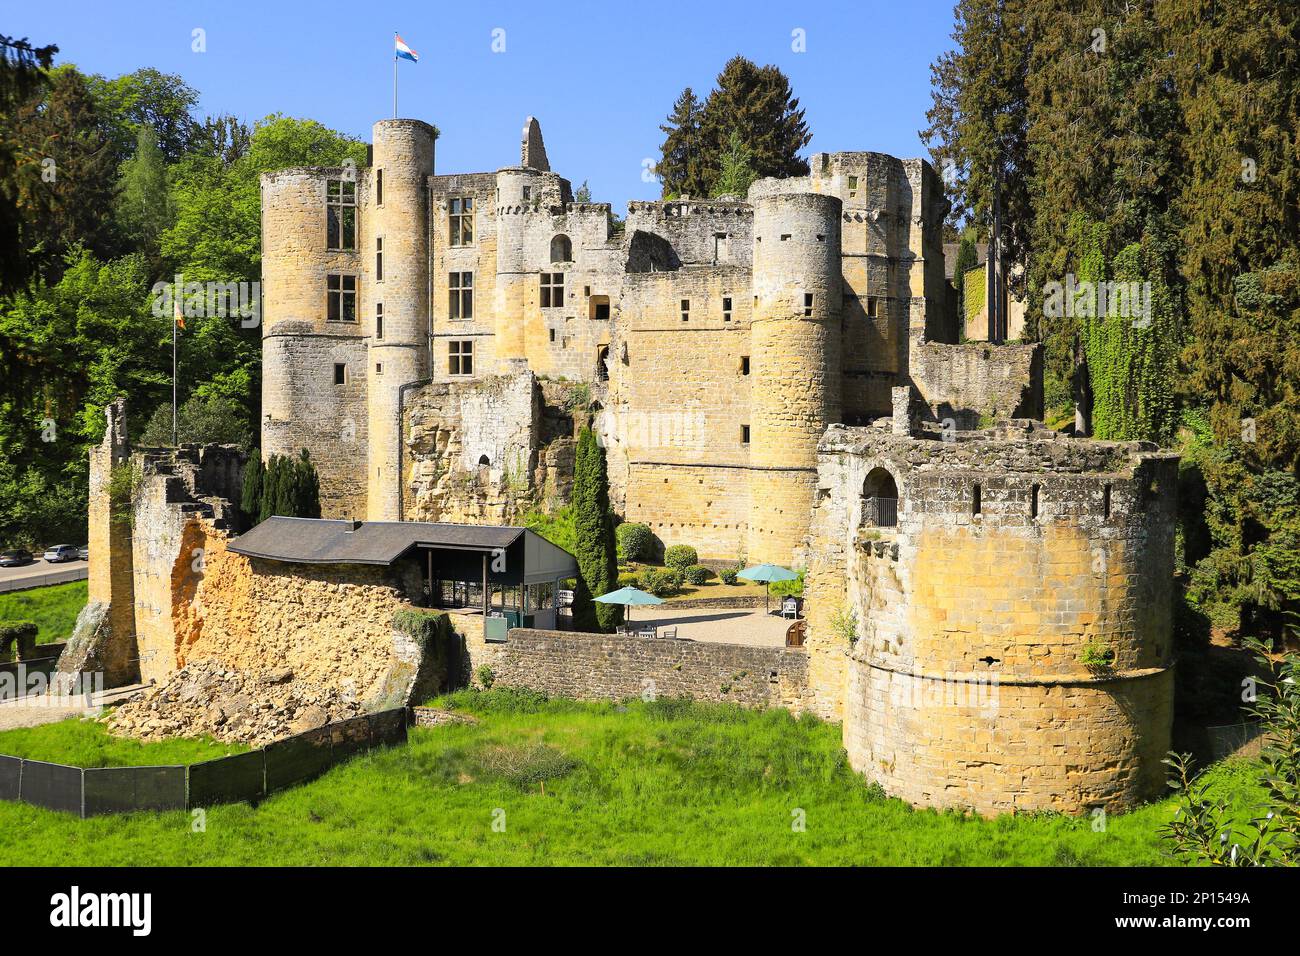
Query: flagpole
(394, 76)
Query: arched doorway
(880, 499)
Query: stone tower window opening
(873, 307)
(460, 294)
(721, 248)
(726, 308)
(460, 220)
(379, 368)
(379, 320)
(744, 434)
(552, 331)
(561, 249)
(602, 363)
(785, 237)
(744, 365)
(598, 307)
(552, 289)
(1105, 501)
(340, 214)
(340, 373)
(686, 310)
(341, 298)
(976, 501)
(880, 499)
(460, 357)
(807, 304)
(484, 461)
(1033, 500)
(528, 193)
(379, 187)
(379, 258)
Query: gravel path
(35, 710)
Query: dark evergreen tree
(758, 104)
(595, 546)
(681, 159)
(250, 497)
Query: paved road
(40, 573)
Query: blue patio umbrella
(629, 597)
(767, 573)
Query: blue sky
(600, 77)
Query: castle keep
(717, 338)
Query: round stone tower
(795, 359)
(519, 191)
(313, 368)
(402, 161)
(1013, 605)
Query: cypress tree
(250, 499)
(594, 538)
(758, 104)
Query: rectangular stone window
(460, 220)
(744, 365)
(341, 298)
(340, 214)
(744, 434)
(379, 258)
(599, 307)
(552, 335)
(873, 307)
(379, 320)
(853, 186)
(340, 373)
(460, 357)
(1033, 501)
(552, 290)
(976, 501)
(686, 310)
(460, 294)
(726, 308)
(1105, 502)
(807, 304)
(379, 368)
(379, 187)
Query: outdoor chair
(647, 632)
(669, 633)
(790, 607)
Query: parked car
(83, 552)
(60, 552)
(15, 559)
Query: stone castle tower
(719, 338)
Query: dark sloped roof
(323, 541)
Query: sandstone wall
(971, 381)
(609, 667)
(1067, 554)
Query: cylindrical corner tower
(313, 361)
(795, 354)
(395, 257)
(519, 189)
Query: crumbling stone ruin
(170, 606)
(718, 338)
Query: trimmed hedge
(697, 574)
(661, 582)
(728, 575)
(635, 541)
(681, 556)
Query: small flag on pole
(404, 51)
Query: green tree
(736, 172)
(143, 203)
(23, 72)
(251, 482)
(967, 258)
(595, 546)
(681, 160)
(757, 103)
(201, 419)
(149, 98)
(583, 193)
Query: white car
(60, 553)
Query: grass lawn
(668, 782)
(54, 609)
(87, 743)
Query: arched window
(561, 249)
(880, 499)
(483, 461)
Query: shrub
(627, 579)
(728, 575)
(635, 541)
(789, 588)
(485, 676)
(681, 556)
(661, 582)
(201, 419)
(1096, 656)
(697, 574)
(523, 766)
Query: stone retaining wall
(610, 667)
